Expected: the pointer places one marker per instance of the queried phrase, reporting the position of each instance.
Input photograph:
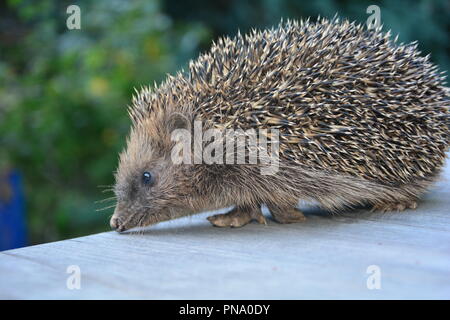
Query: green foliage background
(63, 92)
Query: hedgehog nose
(115, 222)
(115, 225)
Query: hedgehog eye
(147, 178)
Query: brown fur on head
(148, 187)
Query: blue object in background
(12, 214)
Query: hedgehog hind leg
(237, 217)
(403, 197)
(286, 215)
(394, 206)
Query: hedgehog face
(146, 186)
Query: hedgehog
(362, 120)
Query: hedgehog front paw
(237, 218)
(394, 206)
(290, 215)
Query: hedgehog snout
(114, 223)
(117, 219)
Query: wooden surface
(325, 257)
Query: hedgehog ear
(178, 121)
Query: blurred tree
(427, 21)
(64, 93)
